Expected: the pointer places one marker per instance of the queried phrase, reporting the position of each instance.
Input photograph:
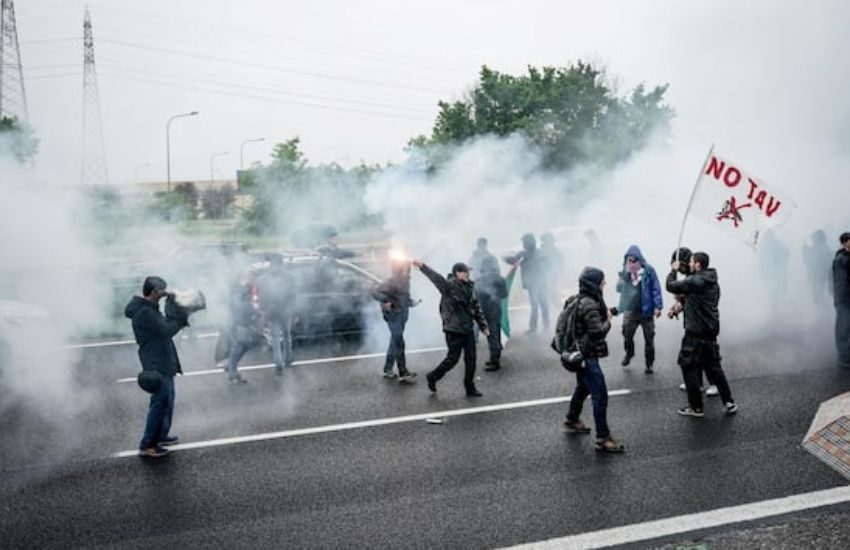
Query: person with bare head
(459, 311)
(154, 332)
(841, 295)
(700, 351)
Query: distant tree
(18, 138)
(569, 114)
(216, 202)
(188, 192)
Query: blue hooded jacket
(650, 298)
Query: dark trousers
(591, 382)
(458, 342)
(494, 341)
(395, 350)
(702, 355)
(842, 334)
(631, 322)
(539, 300)
(160, 411)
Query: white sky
(356, 80)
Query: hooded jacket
(592, 323)
(154, 334)
(701, 296)
(532, 264)
(841, 278)
(459, 307)
(650, 298)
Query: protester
(640, 304)
(244, 328)
(157, 354)
(841, 294)
(818, 258)
(459, 309)
(478, 256)
(700, 350)
(276, 294)
(554, 268)
(533, 268)
(394, 295)
(491, 289)
(593, 321)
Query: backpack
(565, 341)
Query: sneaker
(608, 445)
(407, 378)
(687, 411)
(237, 380)
(731, 408)
(711, 391)
(432, 384)
(472, 392)
(626, 360)
(170, 440)
(154, 452)
(576, 427)
(389, 375)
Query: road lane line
(111, 343)
(296, 363)
(649, 530)
(365, 424)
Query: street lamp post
(242, 151)
(212, 159)
(168, 144)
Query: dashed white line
(297, 363)
(693, 522)
(366, 424)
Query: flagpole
(691, 201)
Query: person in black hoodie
(459, 310)
(700, 351)
(593, 321)
(491, 289)
(533, 268)
(394, 295)
(154, 333)
(841, 295)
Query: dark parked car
(332, 299)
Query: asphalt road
(484, 480)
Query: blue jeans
(395, 351)
(281, 333)
(590, 381)
(160, 411)
(237, 350)
(539, 299)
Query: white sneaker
(712, 391)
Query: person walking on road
(395, 299)
(154, 333)
(459, 310)
(593, 321)
(841, 295)
(640, 304)
(492, 289)
(276, 293)
(533, 270)
(700, 350)
(244, 328)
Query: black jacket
(534, 267)
(395, 291)
(491, 289)
(592, 323)
(841, 278)
(701, 295)
(154, 334)
(459, 307)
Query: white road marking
(297, 363)
(693, 522)
(112, 343)
(366, 424)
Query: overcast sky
(356, 80)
